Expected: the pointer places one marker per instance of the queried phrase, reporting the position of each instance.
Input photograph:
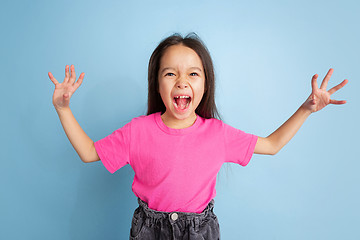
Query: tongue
(181, 102)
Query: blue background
(264, 52)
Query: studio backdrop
(265, 54)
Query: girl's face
(181, 82)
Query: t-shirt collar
(174, 131)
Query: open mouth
(182, 102)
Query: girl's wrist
(61, 110)
(305, 109)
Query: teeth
(182, 97)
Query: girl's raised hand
(319, 97)
(64, 91)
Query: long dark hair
(207, 107)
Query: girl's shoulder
(144, 119)
(212, 122)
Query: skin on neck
(172, 122)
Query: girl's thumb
(66, 96)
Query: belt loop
(147, 222)
(197, 223)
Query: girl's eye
(190, 74)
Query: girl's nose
(182, 84)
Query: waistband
(151, 213)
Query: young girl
(177, 149)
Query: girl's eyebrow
(168, 68)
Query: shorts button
(174, 216)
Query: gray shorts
(148, 224)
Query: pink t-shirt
(175, 169)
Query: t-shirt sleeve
(113, 150)
(239, 145)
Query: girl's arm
(81, 142)
(318, 99)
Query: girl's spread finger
(326, 79)
(67, 75)
(313, 82)
(73, 75)
(337, 101)
(52, 78)
(79, 81)
(337, 87)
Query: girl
(177, 149)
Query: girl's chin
(180, 115)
